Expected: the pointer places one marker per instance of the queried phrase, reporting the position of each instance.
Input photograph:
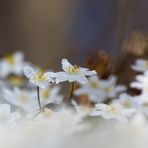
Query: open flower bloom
(38, 77)
(82, 110)
(141, 65)
(109, 87)
(125, 100)
(113, 111)
(26, 99)
(12, 64)
(7, 118)
(73, 73)
(141, 83)
(98, 90)
(92, 89)
(51, 95)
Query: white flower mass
(43, 118)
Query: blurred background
(48, 30)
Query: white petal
(28, 71)
(5, 108)
(65, 64)
(81, 79)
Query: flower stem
(71, 91)
(38, 96)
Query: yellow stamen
(93, 84)
(73, 69)
(10, 59)
(112, 108)
(15, 80)
(23, 98)
(39, 76)
(45, 94)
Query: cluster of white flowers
(109, 101)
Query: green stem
(38, 96)
(71, 91)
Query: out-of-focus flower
(140, 65)
(109, 87)
(82, 110)
(73, 73)
(125, 100)
(38, 77)
(92, 89)
(98, 90)
(141, 83)
(51, 95)
(24, 99)
(113, 111)
(7, 118)
(141, 102)
(12, 64)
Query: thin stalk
(38, 96)
(71, 91)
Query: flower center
(15, 80)
(45, 94)
(73, 69)
(93, 84)
(113, 109)
(10, 59)
(108, 90)
(146, 64)
(126, 104)
(145, 104)
(23, 97)
(39, 76)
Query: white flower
(98, 90)
(141, 83)
(125, 100)
(92, 89)
(141, 102)
(141, 65)
(113, 111)
(26, 99)
(12, 64)
(109, 87)
(51, 95)
(82, 110)
(7, 118)
(38, 77)
(73, 73)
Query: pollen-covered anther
(10, 59)
(73, 69)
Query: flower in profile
(141, 83)
(113, 111)
(7, 118)
(140, 65)
(12, 64)
(38, 77)
(73, 73)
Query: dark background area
(48, 30)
